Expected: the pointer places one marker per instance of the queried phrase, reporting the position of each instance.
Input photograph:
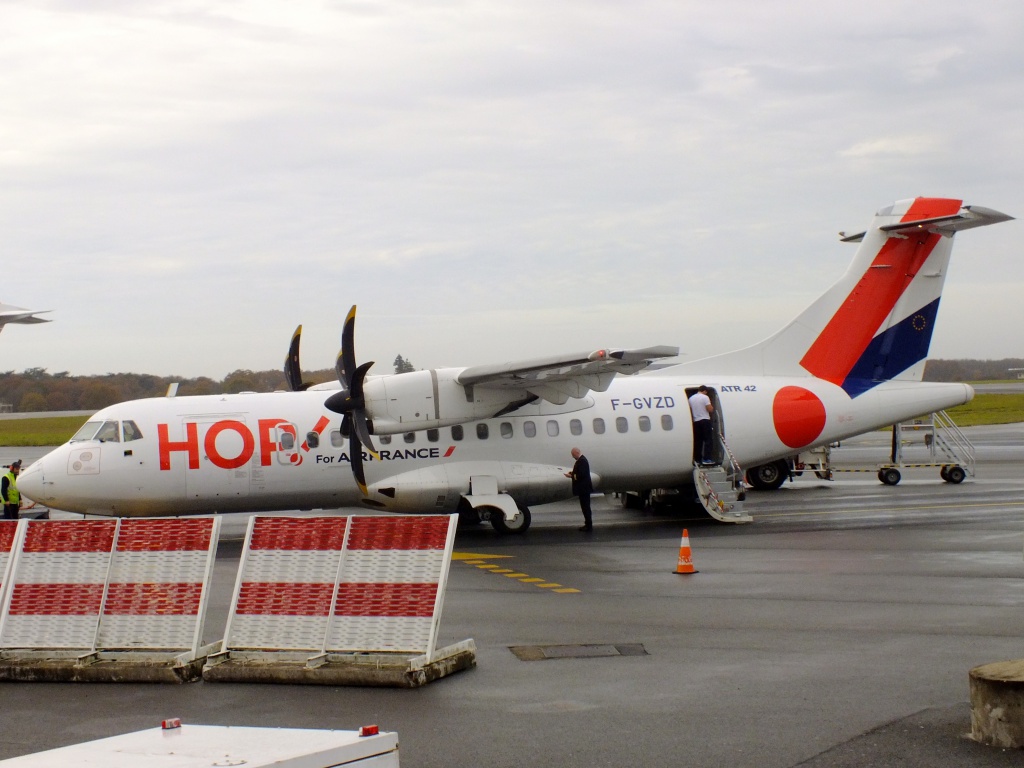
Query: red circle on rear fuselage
(799, 416)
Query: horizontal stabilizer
(968, 217)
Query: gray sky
(185, 182)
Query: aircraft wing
(557, 378)
(11, 314)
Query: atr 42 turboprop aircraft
(494, 440)
(12, 314)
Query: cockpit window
(110, 432)
(87, 431)
(131, 432)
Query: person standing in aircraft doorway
(582, 486)
(701, 408)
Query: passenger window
(645, 423)
(666, 422)
(529, 429)
(131, 432)
(552, 428)
(506, 430)
(433, 435)
(576, 426)
(312, 439)
(385, 439)
(598, 426)
(621, 424)
(336, 440)
(287, 441)
(481, 431)
(457, 432)
(409, 437)
(109, 432)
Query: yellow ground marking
(480, 561)
(919, 508)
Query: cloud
(894, 146)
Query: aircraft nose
(30, 481)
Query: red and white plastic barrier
(58, 578)
(8, 535)
(156, 592)
(99, 585)
(337, 584)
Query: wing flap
(558, 378)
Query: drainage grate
(540, 652)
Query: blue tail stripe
(893, 351)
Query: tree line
(36, 390)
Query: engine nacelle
(441, 487)
(430, 399)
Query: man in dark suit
(582, 486)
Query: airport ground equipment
(106, 600)
(341, 601)
(199, 746)
(947, 447)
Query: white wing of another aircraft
(11, 314)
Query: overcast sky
(185, 182)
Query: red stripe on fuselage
(842, 342)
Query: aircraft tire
(768, 477)
(955, 475)
(468, 517)
(890, 476)
(632, 501)
(518, 525)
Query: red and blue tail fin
(876, 323)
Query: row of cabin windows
(506, 430)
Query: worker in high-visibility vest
(9, 491)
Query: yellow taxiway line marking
(894, 512)
(480, 561)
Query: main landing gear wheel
(518, 524)
(768, 477)
(633, 500)
(890, 476)
(954, 475)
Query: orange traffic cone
(685, 560)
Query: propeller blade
(346, 364)
(292, 370)
(355, 454)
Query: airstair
(947, 446)
(720, 487)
